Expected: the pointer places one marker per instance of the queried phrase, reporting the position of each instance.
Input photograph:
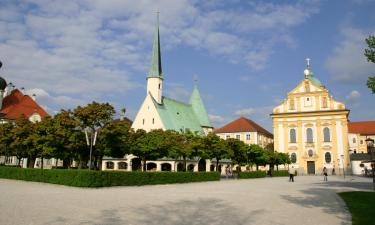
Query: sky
(246, 55)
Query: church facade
(312, 127)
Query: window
(310, 153)
(238, 137)
(153, 120)
(291, 104)
(361, 142)
(328, 157)
(354, 141)
(293, 157)
(159, 86)
(325, 105)
(309, 135)
(110, 165)
(122, 165)
(247, 136)
(143, 121)
(228, 136)
(292, 135)
(326, 134)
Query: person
(226, 172)
(333, 171)
(325, 173)
(366, 171)
(291, 174)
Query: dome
(3, 84)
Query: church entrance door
(310, 167)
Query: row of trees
(62, 137)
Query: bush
(87, 178)
(252, 174)
(280, 173)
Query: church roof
(243, 124)
(362, 127)
(155, 67)
(17, 104)
(198, 108)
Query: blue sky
(246, 55)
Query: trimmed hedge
(87, 178)
(252, 174)
(280, 173)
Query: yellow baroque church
(312, 127)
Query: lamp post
(90, 141)
(371, 151)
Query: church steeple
(198, 107)
(155, 67)
(155, 74)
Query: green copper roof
(155, 67)
(198, 108)
(177, 116)
(314, 80)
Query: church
(160, 112)
(312, 127)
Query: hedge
(280, 173)
(87, 178)
(252, 174)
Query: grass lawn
(361, 205)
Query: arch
(190, 167)
(180, 167)
(212, 167)
(328, 157)
(292, 135)
(326, 134)
(166, 167)
(219, 168)
(136, 164)
(122, 166)
(202, 165)
(151, 166)
(110, 165)
(309, 135)
(293, 157)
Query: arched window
(309, 135)
(292, 135)
(293, 157)
(326, 133)
(328, 157)
(310, 153)
(354, 141)
(110, 165)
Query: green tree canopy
(370, 54)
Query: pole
(90, 150)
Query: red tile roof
(242, 125)
(17, 104)
(362, 127)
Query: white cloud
(217, 120)
(347, 62)
(353, 96)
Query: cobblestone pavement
(308, 200)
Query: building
(358, 133)
(13, 105)
(160, 112)
(247, 131)
(312, 127)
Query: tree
(6, 139)
(257, 155)
(22, 145)
(94, 116)
(237, 151)
(370, 54)
(146, 146)
(216, 148)
(177, 145)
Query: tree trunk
(100, 160)
(217, 165)
(144, 164)
(57, 160)
(42, 161)
(184, 169)
(257, 166)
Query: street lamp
(90, 141)
(371, 151)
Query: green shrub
(252, 174)
(87, 178)
(280, 173)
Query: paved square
(309, 200)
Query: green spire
(198, 107)
(155, 67)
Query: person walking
(325, 173)
(291, 174)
